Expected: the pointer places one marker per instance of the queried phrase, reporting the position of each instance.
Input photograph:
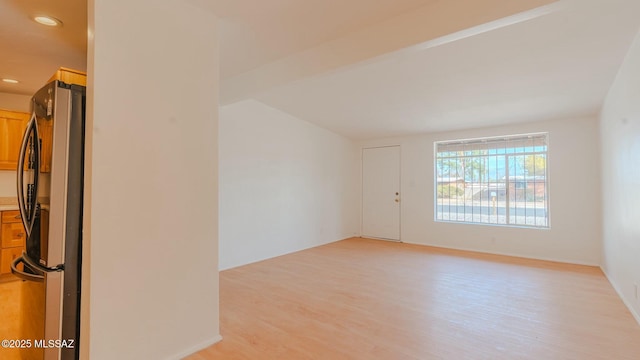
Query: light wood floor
(368, 299)
(10, 298)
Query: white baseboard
(286, 252)
(194, 349)
(503, 253)
(621, 295)
(377, 238)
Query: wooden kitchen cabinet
(11, 216)
(45, 131)
(12, 125)
(12, 239)
(70, 76)
(6, 258)
(13, 235)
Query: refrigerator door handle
(23, 275)
(34, 265)
(20, 177)
(36, 172)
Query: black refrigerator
(50, 196)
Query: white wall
(7, 183)
(620, 139)
(285, 184)
(153, 90)
(14, 102)
(573, 191)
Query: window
(498, 180)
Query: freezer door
(41, 302)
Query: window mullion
(507, 196)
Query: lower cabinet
(6, 258)
(12, 239)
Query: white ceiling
(554, 66)
(431, 21)
(256, 32)
(31, 52)
(367, 69)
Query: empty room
(323, 179)
(513, 136)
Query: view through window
(497, 180)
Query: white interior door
(381, 192)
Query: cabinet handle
(17, 217)
(20, 235)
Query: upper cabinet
(45, 131)
(70, 76)
(12, 125)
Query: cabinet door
(11, 216)
(13, 235)
(12, 125)
(45, 129)
(6, 257)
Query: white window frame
(514, 151)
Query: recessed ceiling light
(10, 81)
(47, 20)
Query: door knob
(397, 200)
